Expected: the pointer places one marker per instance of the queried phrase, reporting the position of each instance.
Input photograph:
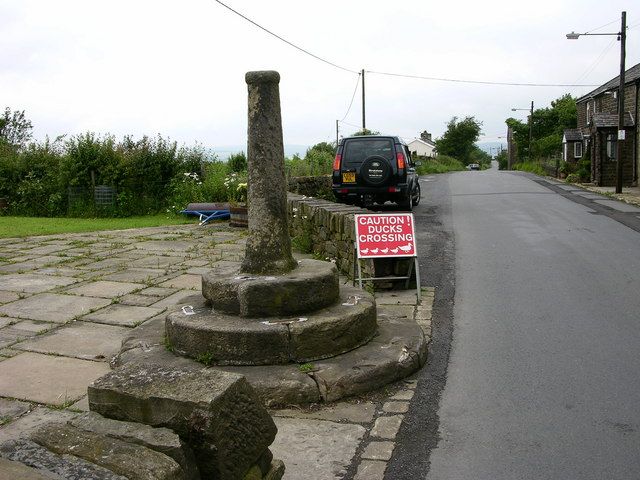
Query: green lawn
(26, 226)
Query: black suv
(375, 169)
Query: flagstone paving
(52, 307)
(48, 379)
(33, 283)
(67, 301)
(105, 289)
(84, 340)
(128, 315)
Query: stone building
(596, 134)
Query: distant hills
(224, 151)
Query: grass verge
(27, 226)
(531, 167)
(440, 164)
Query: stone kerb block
(216, 413)
(161, 440)
(135, 462)
(48, 465)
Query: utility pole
(337, 133)
(621, 132)
(530, 130)
(622, 36)
(364, 123)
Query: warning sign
(385, 235)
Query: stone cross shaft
(268, 249)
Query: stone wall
(329, 230)
(319, 186)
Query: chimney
(425, 136)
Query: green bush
(572, 178)
(237, 162)
(317, 161)
(567, 168)
(439, 164)
(531, 167)
(58, 178)
(190, 187)
(37, 189)
(583, 169)
(503, 160)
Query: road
(534, 370)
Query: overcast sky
(177, 67)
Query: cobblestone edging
(378, 444)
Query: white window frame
(577, 146)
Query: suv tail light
(336, 161)
(399, 160)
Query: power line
(355, 90)
(284, 40)
(351, 124)
(593, 66)
(602, 26)
(479, 82)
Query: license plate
(349, 177)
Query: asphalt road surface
(534, 371)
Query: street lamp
(530, 124)
(622, 36)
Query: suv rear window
(359, 149)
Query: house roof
(419, 140)
(603, 120)
(573, 135)
(630, 76)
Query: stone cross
(268, 245)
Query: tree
(319, 158)
(459, 139)
(15, 129)
(237, 162)
(548, 127)
(365, 131)
(479, 156)
(323, 147)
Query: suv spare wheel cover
(375, 170)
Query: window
(612, 144)
(358, 149)
(588, 113)
(577, 150)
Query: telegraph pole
(530, 130)
(337, 133)
(364, 123)
(621, 131)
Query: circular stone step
(311, 286)
(217, 338)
